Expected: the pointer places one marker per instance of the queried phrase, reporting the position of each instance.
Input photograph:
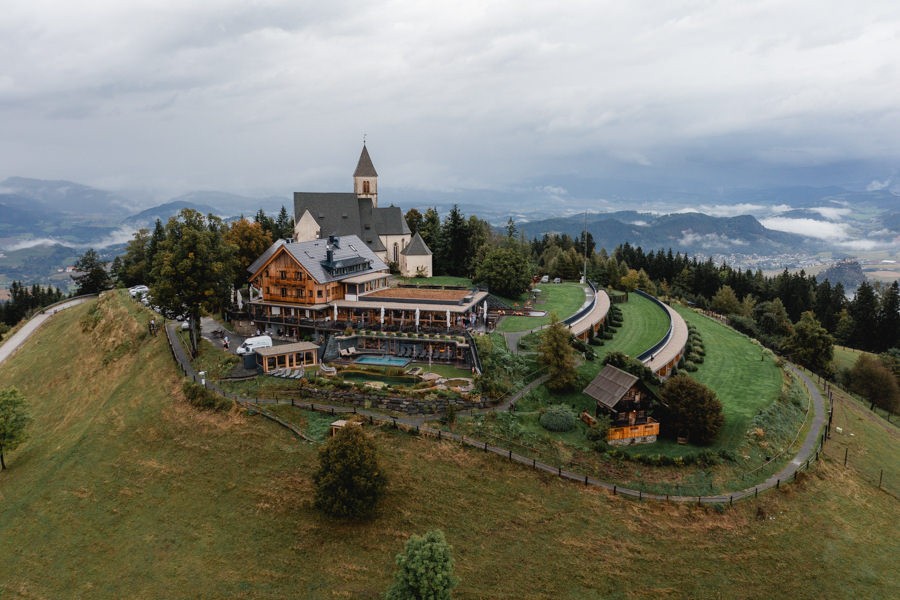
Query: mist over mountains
(768, 227)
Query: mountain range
(778, 222)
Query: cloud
(273, 95)
(831, 213)
(876, 186)
(119, 236)
(709, 241)
(809, 227)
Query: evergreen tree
(888, 332)
(556, 353)
(453, 244)
(92, 276)
(430, 228)
(424, 569)
(864, 311)
(283, 226)
(349, 481)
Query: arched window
(365, 187)
(396, 253)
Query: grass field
(742, 373)
(644, 324)
(845, 358)
(125, 491)
(564, 299)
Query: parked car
(138, 290)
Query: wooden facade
(284, 280)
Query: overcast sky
(270, 97)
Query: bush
(200, 397)
(424, 569)
(558, 417)
(349, 482)
(689, 366)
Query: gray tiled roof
(416, 247)
(340, 213)
(265, 256)
(610, 385)
(365, 168)
(349, 250)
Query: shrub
(349, 482)
(689, 366)
(558, 417)
(200, 397)
(424, 569)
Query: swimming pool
(382, 361)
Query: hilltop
(125, 490)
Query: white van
(252, 343)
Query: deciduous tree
(692, 410)
(194, 268)
(506, 270)
(811, 345)
(872, 380)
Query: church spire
(365, 178)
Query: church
(383, 230)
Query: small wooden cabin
(627, 400)
(299, 355)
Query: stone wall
(408, 406)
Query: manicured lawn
(125, 491)
(564, 299)
(644, 323)
(741, 372)
(845, 358)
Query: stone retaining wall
(408, 406)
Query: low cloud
(119, 236)
(709, 241)
(821, 230)
(831, 213)
(877, 186)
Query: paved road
(12, 344)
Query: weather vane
(364, 139)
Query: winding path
(810, 446)
(13, 343)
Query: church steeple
(365, 178)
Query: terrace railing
(650, 352)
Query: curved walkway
(808, 451)
(811, 444)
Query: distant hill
(848, 273)
(57, 196)
(146, 218)
(694, 233)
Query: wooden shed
(627, 400)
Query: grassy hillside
(125, 491)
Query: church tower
(365, 179)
